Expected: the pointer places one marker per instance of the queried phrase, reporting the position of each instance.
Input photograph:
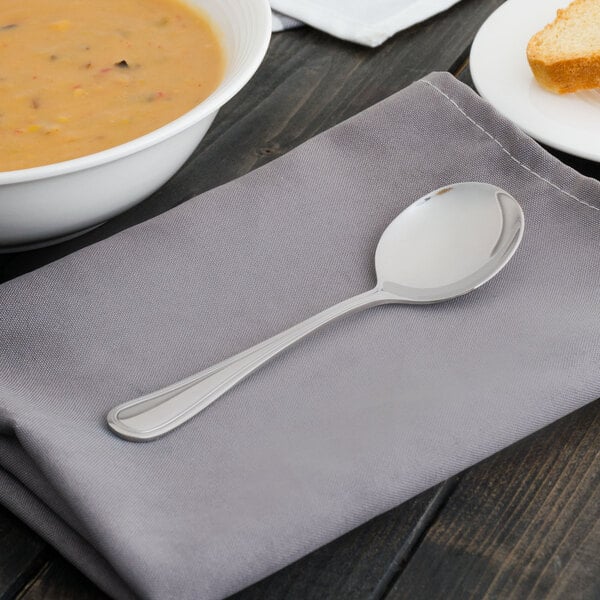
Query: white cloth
(282, 22)
(369, 23)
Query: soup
(80, 76)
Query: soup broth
(80, 76)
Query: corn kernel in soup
(80, 76)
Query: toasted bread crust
(553, 68)
(566, 76)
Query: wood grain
(22, 555)
(361, 563)
(61, 581)
(308, 82)
(523, 524)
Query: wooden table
(523, 524)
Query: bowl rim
(223, 93)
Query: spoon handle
(155, 414)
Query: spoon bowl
(448, 242)
(444, 245)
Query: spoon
(444, 245)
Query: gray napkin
(350, 422)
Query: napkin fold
(367, 23)
(350, 422)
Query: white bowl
(43, 205)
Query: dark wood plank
(22, 555)
(59, 580)
(355, 565)
(524, 524)
(308, 83)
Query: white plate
(568, 122)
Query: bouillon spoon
(444, 245)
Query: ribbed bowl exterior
(242, 24)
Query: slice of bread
(565, 55)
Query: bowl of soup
(102, 102)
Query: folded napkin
(368, 23)
(353, 420)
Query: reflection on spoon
(444, 245)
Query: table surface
(523, 524)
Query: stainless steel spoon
(445, 244)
